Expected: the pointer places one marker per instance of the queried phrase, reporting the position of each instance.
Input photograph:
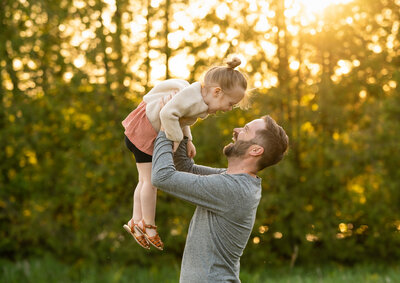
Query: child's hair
(227, 78)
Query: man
(226, 199)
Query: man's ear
(256, 150)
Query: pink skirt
(139, 130)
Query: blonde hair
(227, 78)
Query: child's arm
(187, 133)
(184, 103)
(191, 149)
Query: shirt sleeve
(214, 192)
(184, 163)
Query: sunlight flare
(318, 6)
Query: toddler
(223, 88)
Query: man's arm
(184, 163)
(214, 192)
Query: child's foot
(131, 228)
(150, 232)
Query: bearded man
(226, 199)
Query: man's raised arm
(212, 192)
(186, 164)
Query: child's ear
(217, 91)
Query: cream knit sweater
(180, 112)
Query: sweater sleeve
(184, 103)
(213, 192)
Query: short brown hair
(274, 141)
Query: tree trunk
(119, 65)
(167, 50)
(148, 48)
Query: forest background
(71, 70)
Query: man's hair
(274, 141)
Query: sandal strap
(156, 240)
(131, 225)
(142, 240)
(150, 226)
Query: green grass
(50, 270)
(327, 274)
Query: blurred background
(71, 70)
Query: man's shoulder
(244, 178)
(245, 186)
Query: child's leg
(148, 196)
(137, 205)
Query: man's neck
(240, 166)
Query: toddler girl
(223, 87)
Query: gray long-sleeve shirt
(224, 217)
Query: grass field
(49, 270)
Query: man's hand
(191, 149)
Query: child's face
(218, 100)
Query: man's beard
(237, 149)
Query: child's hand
(191, 149)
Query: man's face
(243, 138)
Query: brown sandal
(155, 240)
(140, 239)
